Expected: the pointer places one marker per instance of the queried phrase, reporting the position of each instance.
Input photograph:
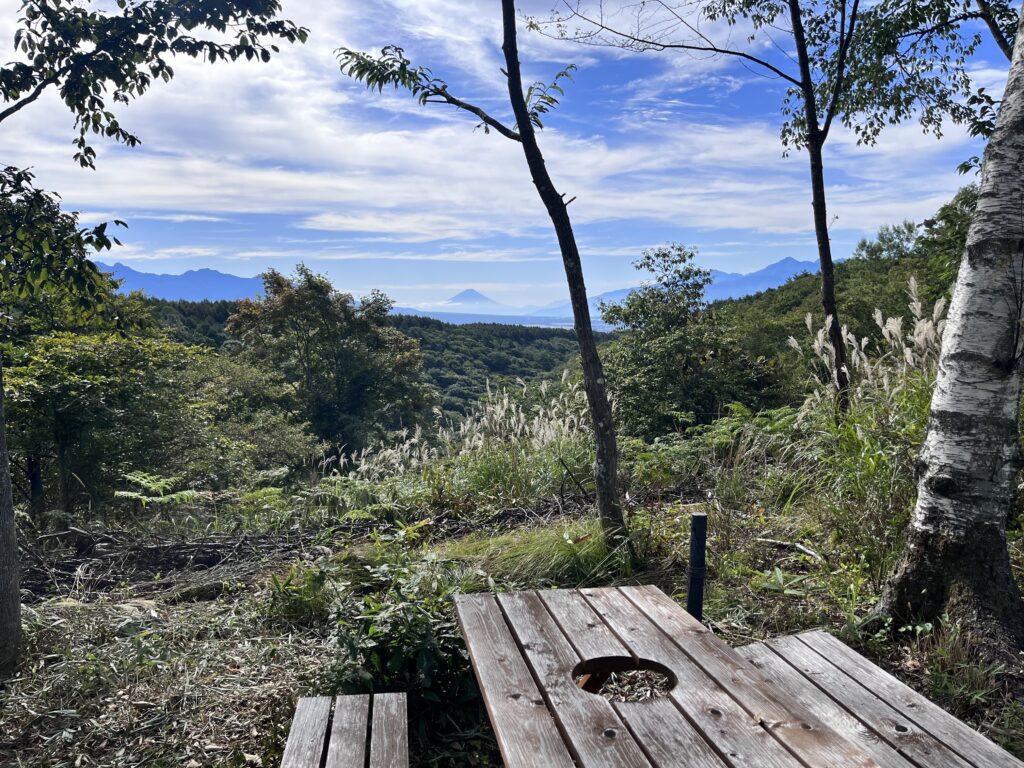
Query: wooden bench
(540, 657)
(361, 731)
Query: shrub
(304, 596)
(397, 632)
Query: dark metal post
(698, 545)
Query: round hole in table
(623, 678)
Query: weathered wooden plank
(664, 734)
(860, 719)
(955, 734)
(389, 734)
(349, 730)
(595, 734)
(734, 733)
(911, 740)
(526, 733)
(585, 630)
(308, 735)
(792, 723)
(667, 737)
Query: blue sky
(247, 166)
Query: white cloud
(293, 138)
(177, 218)
(335, 254)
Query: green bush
(396, 631)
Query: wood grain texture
(881, 718)
(734, 733)
(800, 702)
(349, 731)
(785, 716)
(658, 725)
(668, 738)
(389, 733)
(838, 711)
(585, 629)
(526, 733)
(955, 734)
(308, 734)
(593, 731)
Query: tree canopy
(95, 56)
(674, 364)
(356, 376)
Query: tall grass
(861, 463)
(513, 449)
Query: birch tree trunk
(956, 556)
(10, 594)
(606, 470)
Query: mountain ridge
(467, 306)
(193, 285)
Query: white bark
(956, 560)
(971, 454)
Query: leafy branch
(155, 490)
(392, 69)
(41, 245)
(93, 56)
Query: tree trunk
(815, 144)
(10, 593)
(36, 495)
(606, 470)
(828, 281)
(956, 556)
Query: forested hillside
(194, 322)
(874, 278)
(872, 283)
(460, 360)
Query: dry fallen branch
(793, 545)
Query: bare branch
(650, 44)
(442, 96)
(392, 68)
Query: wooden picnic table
(805, 701)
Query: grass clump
(570, 554)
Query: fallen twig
(792, 545)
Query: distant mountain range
(194, 285)
(469, 306)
